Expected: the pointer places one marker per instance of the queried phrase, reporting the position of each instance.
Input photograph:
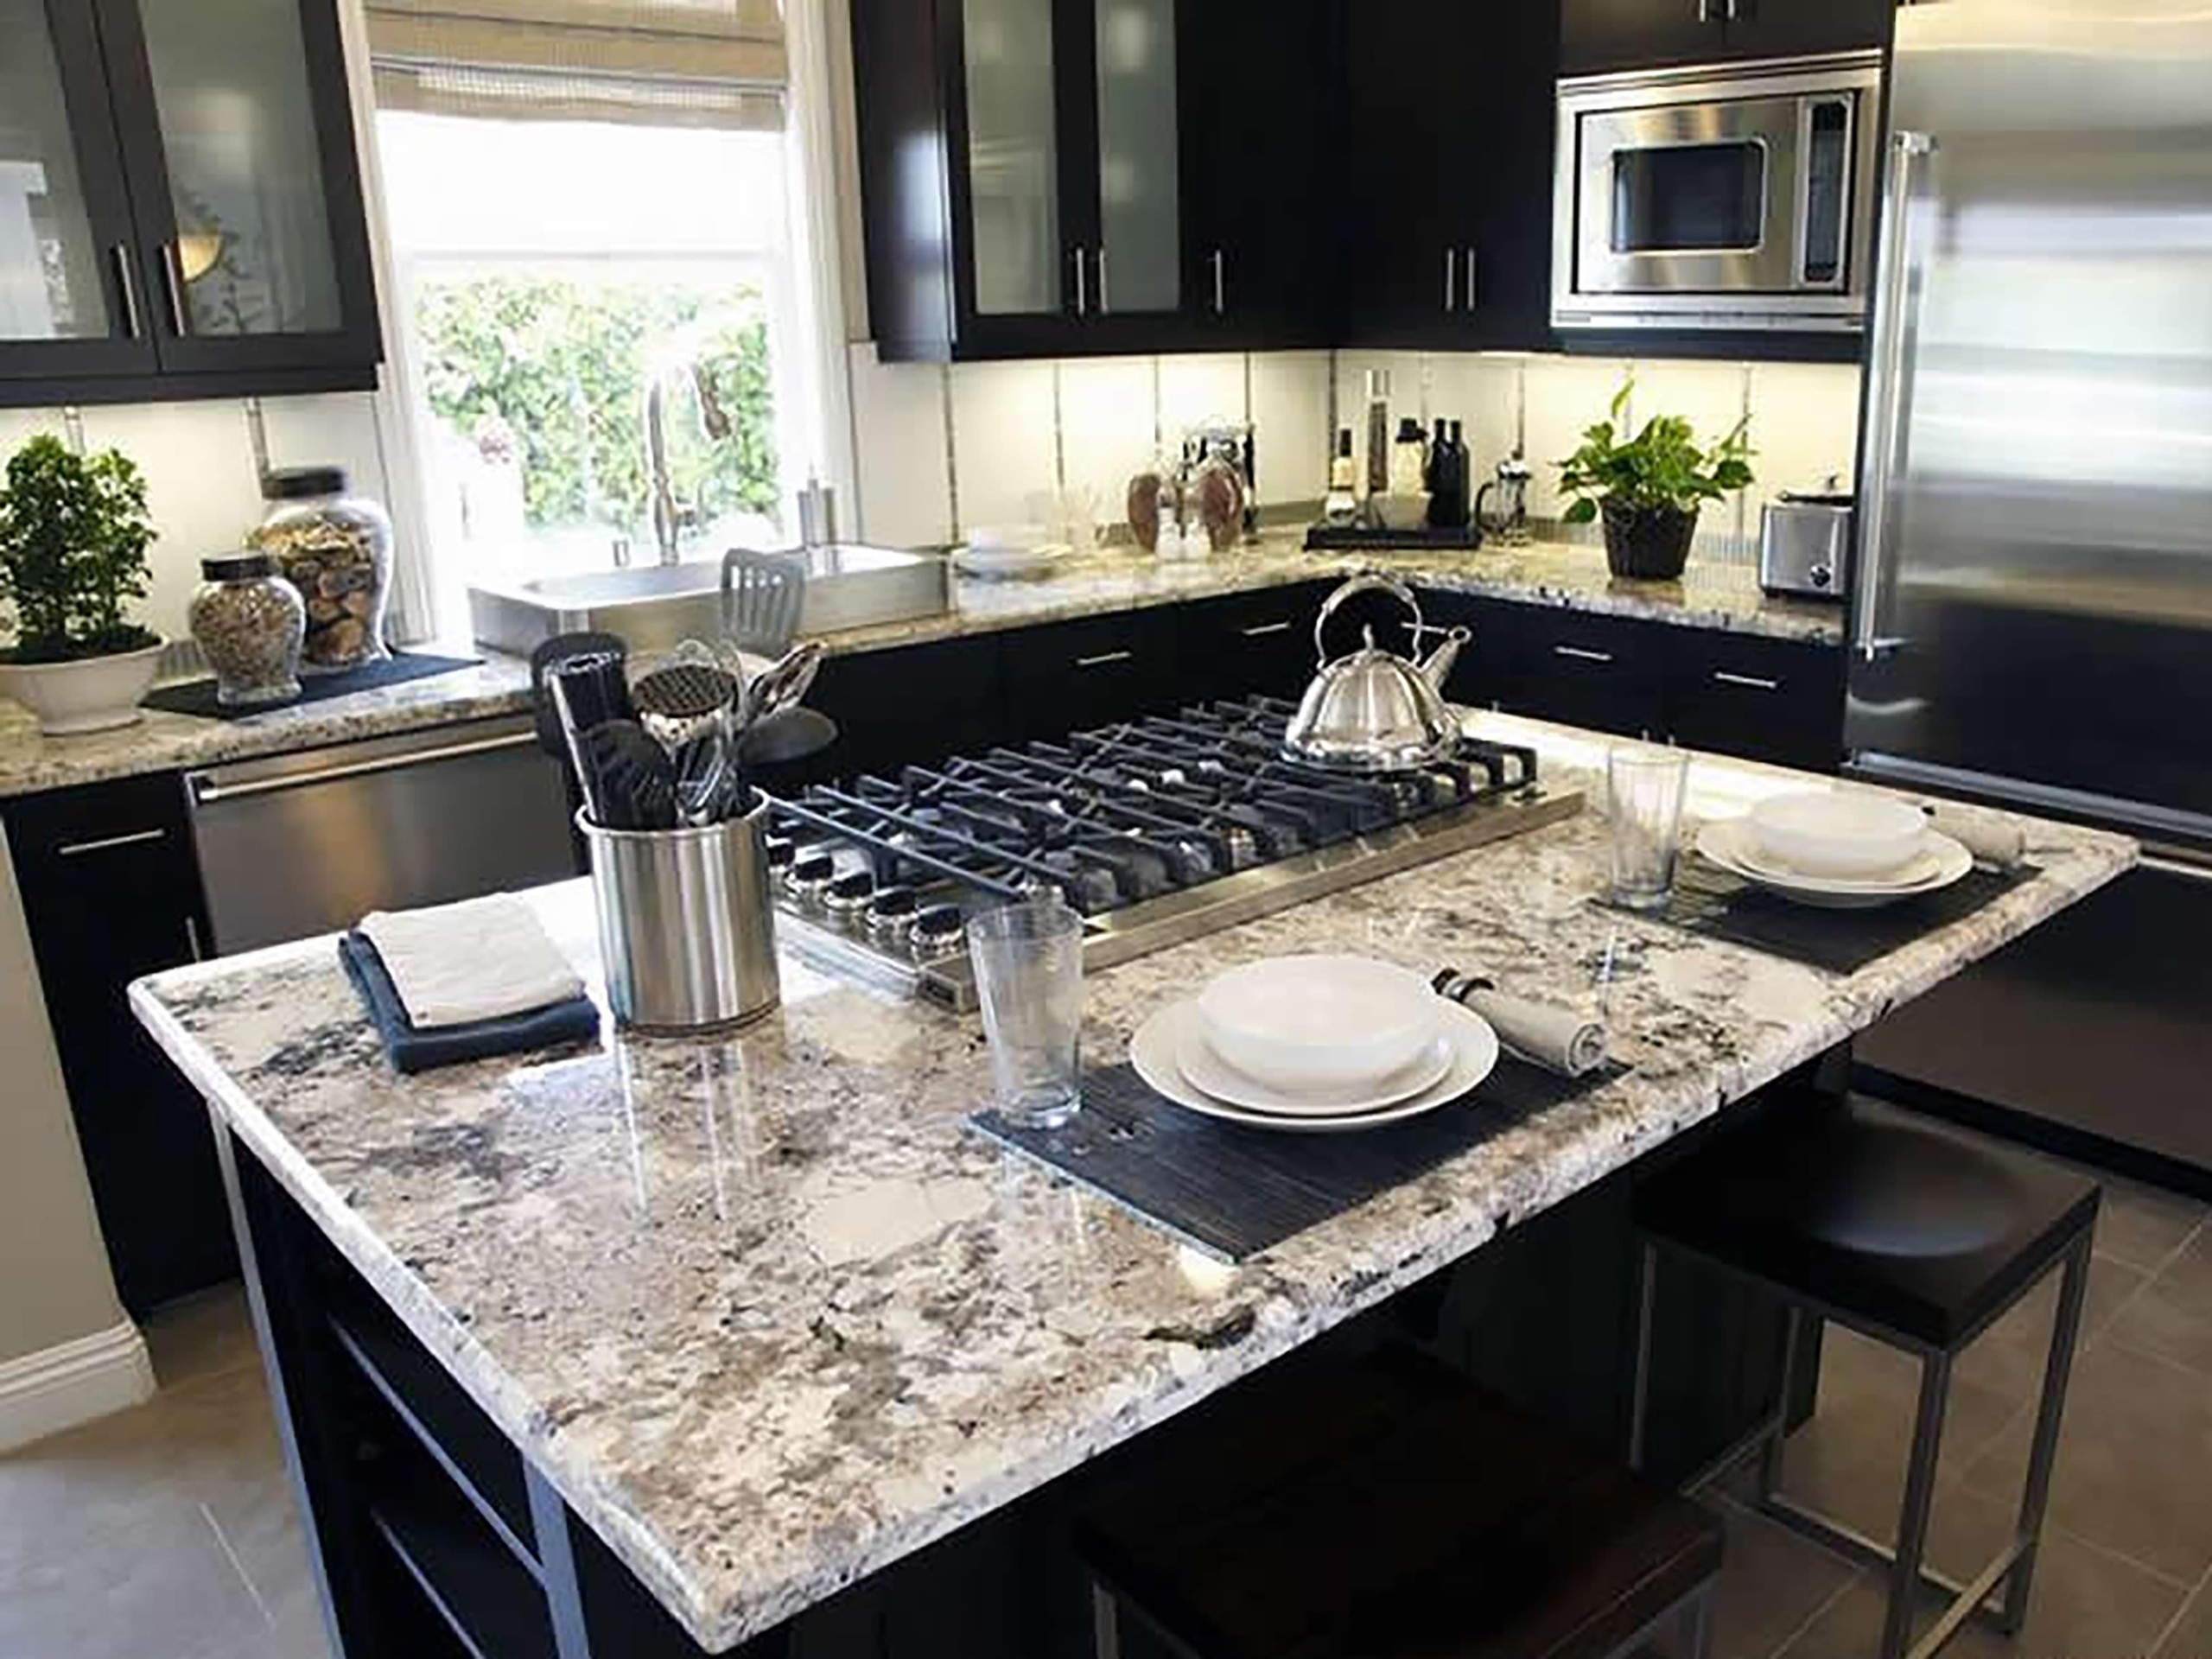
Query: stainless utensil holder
(686, 924)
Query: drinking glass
(1645, 789)
(1028, 959)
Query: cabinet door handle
(1105, 306)
(1451, 287)
(1104, 657)
(1082, 283)
(126, 286)
(1468, 302)
(1582, 654)
(173, 285)
(192, 939)
(1705, 12)
(2176, 867)
(108, 843)
(1261, 630)
(206, 793)
(1751, 680)
(1220, 284)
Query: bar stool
(1906, 1234)
(1389, 1509)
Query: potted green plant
(1649, 488)
(74, 535)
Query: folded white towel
(1557, 1038)
(480, 959)
(1994, 838)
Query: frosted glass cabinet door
(66, 300)
(1139, 154)
(1014, 156)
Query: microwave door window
(1689, 199)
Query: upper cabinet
(1048, 177)
(180, 209)
(1448, 246)
(1596, 36)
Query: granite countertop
(770, 1316)
(1709, 596)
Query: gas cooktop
(1158, 830)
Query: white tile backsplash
(1107, 427)
(1565, 397)
(1199, 390)
(1004, 441)
(898, 429)
(1711, 397)
(1804, 425)
(1290, 417)
(1483, 393)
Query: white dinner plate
(1151, 1051)
(1202, 1066)
(1741, 840)
(1725, 844)
(1009, 561)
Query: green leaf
(1580, 512)
(1661, 467)
(74, 536)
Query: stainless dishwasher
(308, 843)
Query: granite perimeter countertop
(770, 1315)
(1711, 595)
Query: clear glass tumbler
(1645, 789)
(1028, 959)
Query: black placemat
(198, 696)
(1707, 899)
(1233, 1191)
(1462, 538)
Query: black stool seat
(1389, 1509)
(1871, 1219)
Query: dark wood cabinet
(200, 229)
(111, 891)
(1450, 187)
(909, 703)
(1064, 177)
(1597, 35)
(1773, 700)
(1252, 644)
(1604, 672)
(1070, 677)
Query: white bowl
(1842, 833)
(1402, 511)
(92, 694)
(1318, 1022)
(1010, 539)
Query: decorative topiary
(74, 536)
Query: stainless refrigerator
(2031, 608)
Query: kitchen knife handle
(1885, 404)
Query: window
(589, 210)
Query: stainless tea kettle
(1374, 710)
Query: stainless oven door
(1722, 198)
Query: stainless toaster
(1805, 542)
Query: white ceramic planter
(97, 694)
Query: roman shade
(713, 63)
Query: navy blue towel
(411, 1051)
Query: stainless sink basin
(654, 606)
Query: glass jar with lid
(335, 548)
(248, 623)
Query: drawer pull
(1581, 654)
(1261, 630)
(192, 939)
(1751, 680)
(108, 843)
(1104, 657)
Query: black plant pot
(1647, 544)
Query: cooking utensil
(629, 782)
(1374, 710)
(564, 648)
(782, 684)
(763, 594)
(787, 735)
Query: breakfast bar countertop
(1710, 595)
(770, 1315)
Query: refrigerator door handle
(1886, 395)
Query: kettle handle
(1367, 582)
(1481, 496)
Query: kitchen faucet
(684, 356)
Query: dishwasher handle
(205, 791)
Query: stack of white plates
(1314, 1044)
(1010, 550)
(1840, 850)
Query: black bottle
(1448, 480)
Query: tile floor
(176, 1519)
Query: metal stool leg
(1105, 1623)
(1640, 1395)
(1919, 1495)
(1697, 1625)
(1771, 1453)
(2043, 1449)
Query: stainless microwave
(1731, 197)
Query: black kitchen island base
(432, 1534)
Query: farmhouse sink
(654, 606)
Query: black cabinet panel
(110, 892)
(1606, 35)
(1450, 188)
(1072, 676)
(911, 703)
(1484, 676)
(1773, 700)
(1252, 643)
(1790, 28)
(1604, 672)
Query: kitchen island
(766, 1316)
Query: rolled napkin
(480, 959)
(410, 1050)
(1993, 838)
(1557, 1038)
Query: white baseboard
(72, 1383)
